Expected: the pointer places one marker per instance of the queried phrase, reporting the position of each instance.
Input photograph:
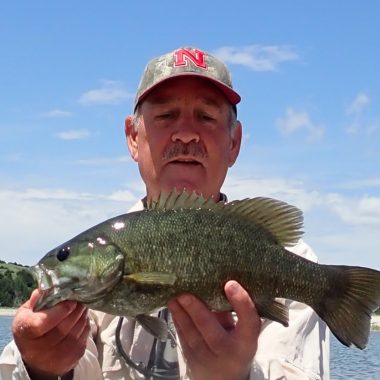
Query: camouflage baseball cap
(186, 61)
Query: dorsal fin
(176, 200)
(283, 221)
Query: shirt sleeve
(12, 366)
(299, 351)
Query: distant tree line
(15, 287)
(19, 265)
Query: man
(185, 135)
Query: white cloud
(100, 161)
(44, 194)
(353, 128)
(110, 93)
(294, 121)
(363, 210)
(33, 221)
(363, 129)
(349, 246)
(256, 57)
(75, 134)
(122, 196)
(289, 191)
(358, 104)
(373, 128)
(360, 127)
(360, 184)
(360, 211)
(56, 113)
(359, 123)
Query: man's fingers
(200, 324)
(185, 324)
(249, 322)
(42, 321)
(71, 327)
(193, 344)
(76, 339)
(29, 304)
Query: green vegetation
(16, 284)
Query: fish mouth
(52, 289)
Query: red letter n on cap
(183, 57)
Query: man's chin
(192, 177)
(185, 185)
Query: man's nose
(185, 130)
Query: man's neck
(222, 198)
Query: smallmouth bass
(135, 263)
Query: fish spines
(283, 221)
(348, 305)
(181, 200)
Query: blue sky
(308, 74)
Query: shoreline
(10, 312)
(375, 323)
(7, 312)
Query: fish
(133, 264)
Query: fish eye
(63, 253)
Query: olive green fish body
(218, 249)
(135, 263)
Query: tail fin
(348, 305)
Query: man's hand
(214, 346)
(51, 341)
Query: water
(5, 331)
(354, 364)
(346, 363)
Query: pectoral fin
(154, 325)
(152, 278)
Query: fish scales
(163, 241)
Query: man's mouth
(191, 161)
(186, 162)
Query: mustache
(181, 149)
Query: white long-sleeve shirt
(297, 352)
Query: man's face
(184, 139)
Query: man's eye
(207, 118)
(166, 115)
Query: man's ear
(236, 135)
(131, 135)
